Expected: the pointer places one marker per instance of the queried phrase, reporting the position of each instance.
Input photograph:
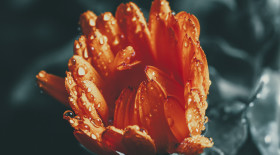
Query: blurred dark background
(240, 38)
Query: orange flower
(122, 102)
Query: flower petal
(137, 142)
(53, 85)
(133, 24)
(189, 24)
(194, 145)
(169, 86)
(82, 70)
(175, 116)
(123, 59)
(112, 138)
(151, 100)
(108, 26)
(88, 22)
(100, 52)
(80, 48)
(124, 108)
(86, 99)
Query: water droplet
(81, 71)
(92, 48)
(73, 61)
(106, 17)
(97, 122)
(71, 121)
(99, 104)
(77, 46)
(101, 41)
(68, 114)
(128, 9)
(162, 3)
(113, 22)
(89, 109)
(93, 136)
(85, 54)
(92, 22)
(71, 99)
(88, 90)
(185, 44)
(173, 13)
(91, 37)
(42, 74)
(134, 19)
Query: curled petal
(53, 85)
(88, 132)
(169, 86)
(108, 26)
(138, 142)
(112, 138)
(100, 52)
(123, 59)
(88, 22)
(194, 145)
(82, 70)
(151, 113)
(189, 25)
(133, 24)
(164, 37)
(124, 109)
(80, 48)
(175, 116)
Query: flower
(134, 87)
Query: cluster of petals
(134, 86)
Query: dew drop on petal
(101, 41)
(81, 71)
(106, 17)
(93, 136)
(77, 46)
(91, 22)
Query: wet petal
(194, 145)
(53, 85)
(124, 108)
(163, 36)
(82, 70)
(88, 22)
(100, 52)
(175, 116)
(169, 86)
(137, 142)
(133, 24)
(189, 25)
(112, 138)
(151, 100)
(80, 48)
(108, 26)
(124, 59)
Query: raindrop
(91, 22)
(68, 113)
(93, 136)
(128, 9)
(101, 41)
(73, 61)
(92, 48)
(77, 46)
(88, 90)
(134, 19)
(106, 17)
(81, 71)
(85, 54)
